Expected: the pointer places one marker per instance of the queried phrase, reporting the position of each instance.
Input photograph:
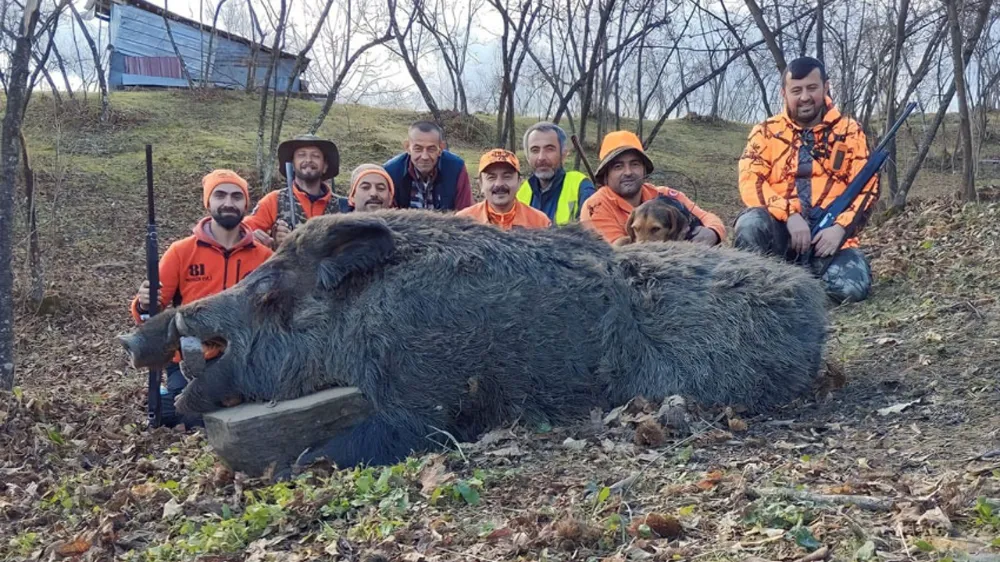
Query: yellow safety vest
(568, 205)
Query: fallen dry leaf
(73, 548)
(896, 408)
(433, 475)
(737, 425)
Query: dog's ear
(629, 229)
(676, 223)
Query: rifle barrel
(895, 126)
(583, 158)
(153, 405)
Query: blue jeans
(175, 384)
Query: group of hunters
(795, 163)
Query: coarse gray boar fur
(445, 324)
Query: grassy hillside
(906, 421)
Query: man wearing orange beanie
(371, 189)
(219, 253)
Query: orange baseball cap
(218, 177)
(617, 143)
(499, 156)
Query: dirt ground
(895, 457)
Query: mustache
(229, 211)
(501, 189)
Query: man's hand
(143, 296)
(281, 232)
(705, 236)
(829, 240)
(798, 230)
(263, 238)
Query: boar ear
(353, 247)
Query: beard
(628, 186)
(309, 174)
(808, 113)
(228, 217)
(545, 174)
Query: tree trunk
(177, 52)
(206, 71)
(105, 106)
(889, 173)
(819, 29)
(17, 84)
(967, 191)
(36, 293)
(264, 167)
(410, 61)
(899, 201)
(769, 38)
(62, 70)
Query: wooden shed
(142, 54)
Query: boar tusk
(192, 357)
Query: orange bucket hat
(617, 143)
(218, 177)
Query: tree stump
(250, 437)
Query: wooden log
(250, 437)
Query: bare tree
(105, 105)
(515, 35)
(206, 61)
(409, 41)
(17, 83)
(278, 109)
(944, 101)
(820, 25)
(450, 25)
(338, 34)
(967, 191)
(177, 53)
(769, 36)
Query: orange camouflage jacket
(779, 170)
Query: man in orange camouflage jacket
(794, 166)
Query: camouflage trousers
(846, 274)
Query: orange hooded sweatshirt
(198, 266)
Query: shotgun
(827, 217)
(583, 158)
(154, 410)
(289, 183)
